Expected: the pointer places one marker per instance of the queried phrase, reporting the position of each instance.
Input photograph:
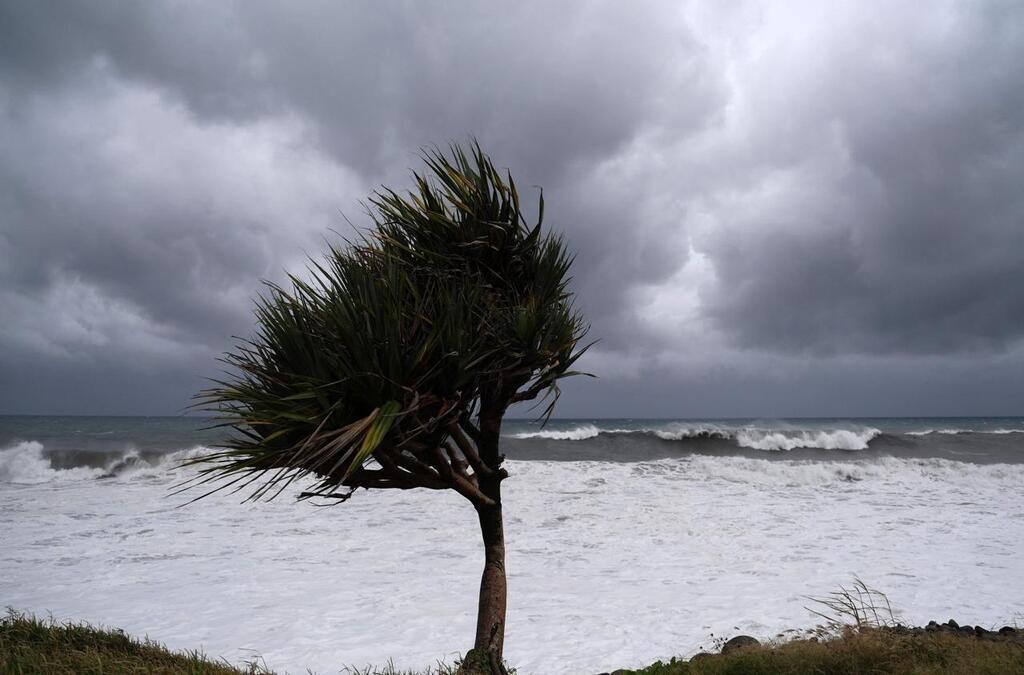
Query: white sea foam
(611, 565)
(954, 432)
(131, 466)
(817, 473)
(833, 439)
(579, 433)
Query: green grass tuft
(390, 669)
(29, 645)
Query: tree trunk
(490, 621)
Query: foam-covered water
(611, 563)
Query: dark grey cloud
(763, 197)
(908, 234)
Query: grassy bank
(30, 645)
(33, 646)
(859, 652)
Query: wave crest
(24, 464)
(834, 439)
(580, 433)
(755, 438)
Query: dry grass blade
(855, 607)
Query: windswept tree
(392, 364)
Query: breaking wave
(837, 439)
(580, 433)
(757, 439)
(26, 463)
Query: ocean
(628, 540)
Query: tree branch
(460, 483)
(468, 451)
(460, 465)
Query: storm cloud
(779, 209)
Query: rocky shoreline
(1004, 634)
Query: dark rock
(739, 642)
(951, 627)
(620, 671)
(699, 656)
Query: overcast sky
(779, 209)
